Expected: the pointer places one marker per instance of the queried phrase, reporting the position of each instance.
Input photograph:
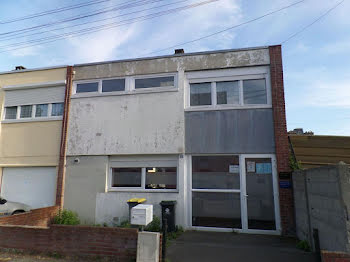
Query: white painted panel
(34, 96)
(34, 186)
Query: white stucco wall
(147, 123)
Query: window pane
(41, 110)
(161, 177)
(87, 87)
(200, 94)
(260, 201)
(154, 82)
(227, 92)
(254, 91)
(113, 85)
(126, 177)
(26, 111)
(57, 109)
(215, 172)
(11, 112)
(216, 210)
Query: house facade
(32, 106)
(207, 130)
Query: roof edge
(173, 55)
(32, 69)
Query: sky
(316, 62)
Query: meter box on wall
(141, 215)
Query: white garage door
(34, 186)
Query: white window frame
(99, 86)
(143, 178)
(150, 89)
(215, 76)
(33, 118)
(129, 86)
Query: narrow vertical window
(227, 92)
(57, 109)
(26, 111)
(254, 91)
(200, 94)
(41, 110)
(11, 112)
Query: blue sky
(316, 62)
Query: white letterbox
(141, 215)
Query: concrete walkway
(231, 247)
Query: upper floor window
(165, 81)
(33, 111)
(250, 92)
(87, 87)
(227, 92)
(126, 85)
(113, 85)
(26, 111)
(11, 112)
(42, 110)
(57, 109)
(254, 91)
(200, 94)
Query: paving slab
(232, 247)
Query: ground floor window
(155, 175)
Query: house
(315, 150)
(206, 129)
(31, 103)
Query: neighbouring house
(315, 150)
(207, 130)
(31, 103)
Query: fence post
(317, 245)
(165, 231)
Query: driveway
(231, 247)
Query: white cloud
(28, 51)
(333, 93)
(99, 46)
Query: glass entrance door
(260, 194)
(235, 192)
(216, 198)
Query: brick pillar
(63, 148)
(281, 138)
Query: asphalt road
(231, 247)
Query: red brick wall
(36, 217)
(335, 256)
(281, 137)
(121, 243)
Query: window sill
(134, 92)
(229, 107)
(126, 190)
(44, 119)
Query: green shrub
(125, 224)
(294, 164)
(66, 217)
(304, 245)
(154, 226)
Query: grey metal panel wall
(229, 131)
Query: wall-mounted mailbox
(141, 215)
